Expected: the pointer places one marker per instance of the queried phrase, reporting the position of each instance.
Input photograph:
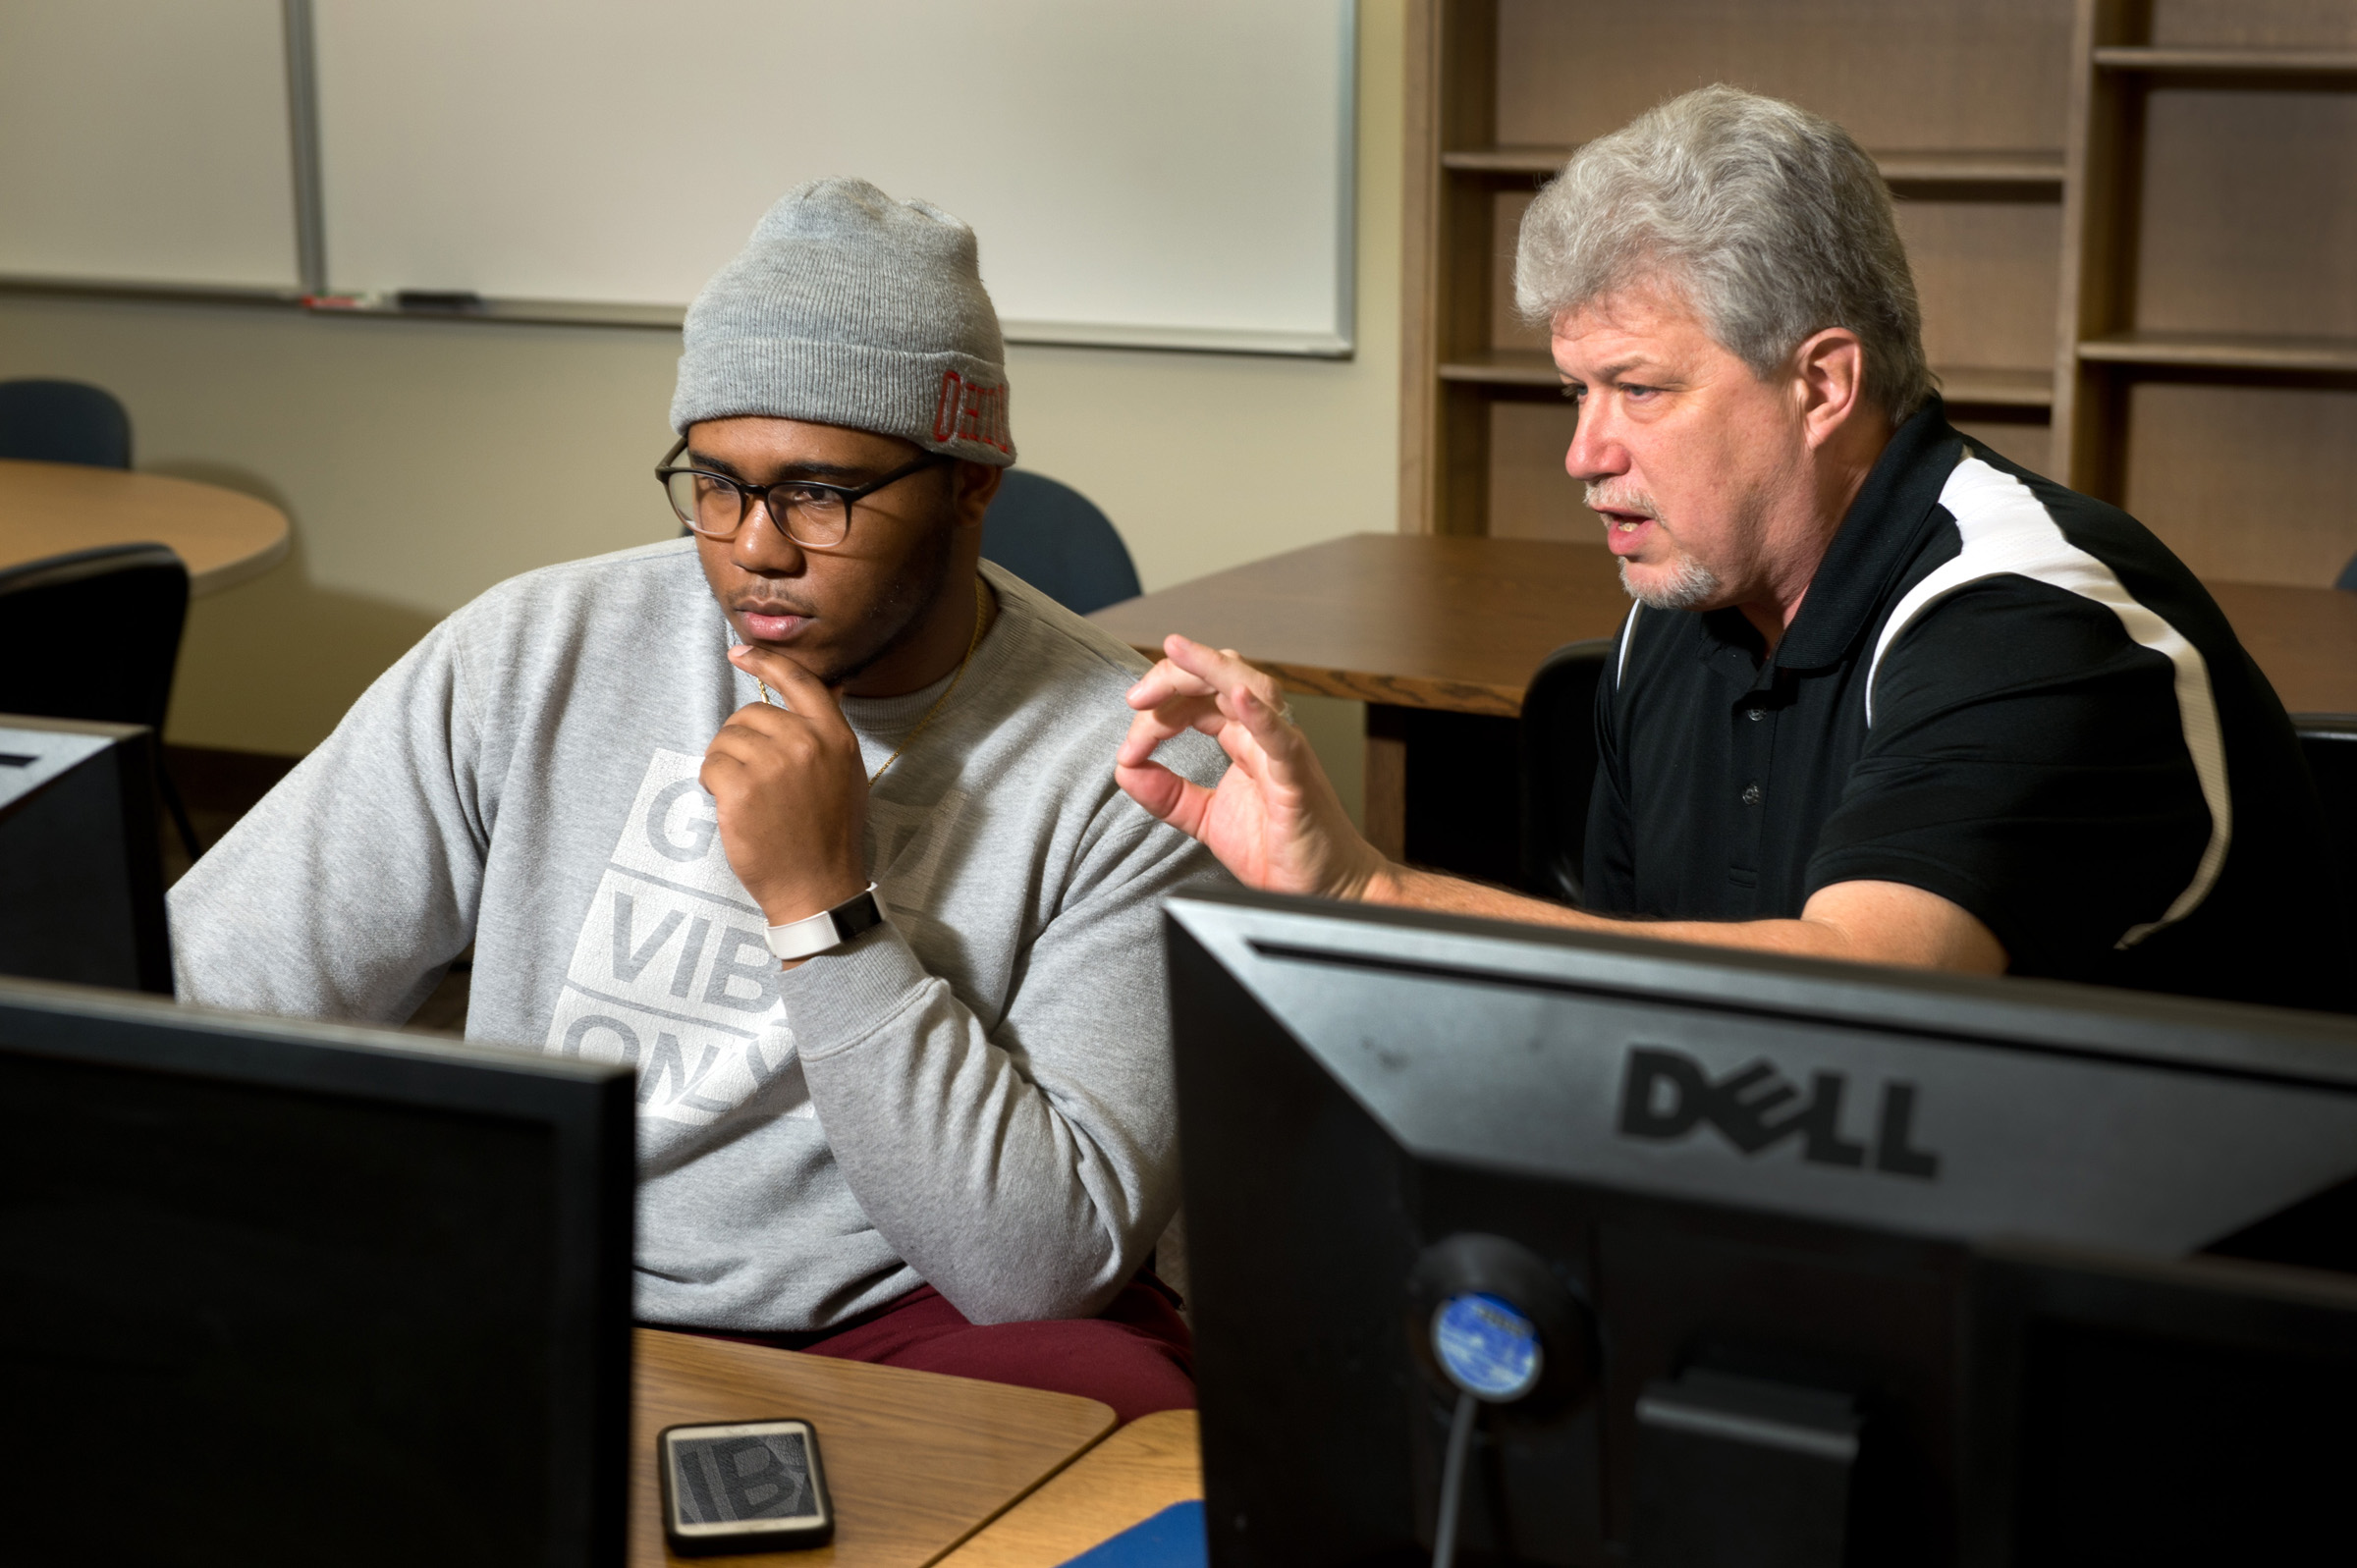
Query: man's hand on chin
(790, 790)
(1275, 820)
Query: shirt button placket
(1742, 836)
(1754, 744)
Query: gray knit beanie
(850, 308)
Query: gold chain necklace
(981, 613)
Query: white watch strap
(829, 928)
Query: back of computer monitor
(1748, 1206)
(81, 892)
(2150, 1411)
(274, 1293)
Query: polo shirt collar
(1875, 542)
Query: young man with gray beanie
(837, 862)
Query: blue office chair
(1559, 768)
(1053, 538)
(63, 422)
(2349, 577)
(59, 659)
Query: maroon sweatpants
(1137, 1355)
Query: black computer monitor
(280, 1292)
(1749, 1260)
(81, 887)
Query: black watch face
(719, 1480)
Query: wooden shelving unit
(2224, 351)
(2132, 225)
(1502, 368)
(2227, 62)
(1900, 168)
(2206, 368)
(1964, 385)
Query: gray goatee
(1690, 583)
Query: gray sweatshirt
(976, 1095)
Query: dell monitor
(81, 887)
(1523, 1246)
(275, 1292)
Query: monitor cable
(1478, 1305)
(1453, 1479)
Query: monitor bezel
(2049, 1017)
(588, 1108)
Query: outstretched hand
(1274, 820)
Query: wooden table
(1405, 620)
(1411, 625)
(1130, 1476)
(50, 508)
(917, 1462)
(1425, 622)
(2304, 639)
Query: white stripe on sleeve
(2007, 532)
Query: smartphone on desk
(745, 1486)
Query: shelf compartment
(2149, 58)
(1507, 160)
(2224, 351)
(1502, 368)
(1995, 387)
(1975, 386)
(1971, 168)
(2037, 169)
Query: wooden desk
(917, 1462)
(1428, 622)
(2304, 639)
(1130, 1476)
(49, 509)
(1413, 624)
(1405, 620)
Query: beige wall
(422, 462)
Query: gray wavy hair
(1770, 222)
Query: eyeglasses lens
(815, 517)
(704, 503)
(713, 506)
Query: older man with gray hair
(1884, 695)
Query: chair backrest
(2349, 577)
(1558, 767)
(95, 635)
(2328, 740)
(64, 421)
(1053, 538)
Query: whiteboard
(1136, 170)
(146, 142)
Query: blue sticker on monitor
(1487, 1349)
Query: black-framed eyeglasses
(815, 515)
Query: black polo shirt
(1998, 691)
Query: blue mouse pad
(1172, 1538)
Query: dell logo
(1668, 1094)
